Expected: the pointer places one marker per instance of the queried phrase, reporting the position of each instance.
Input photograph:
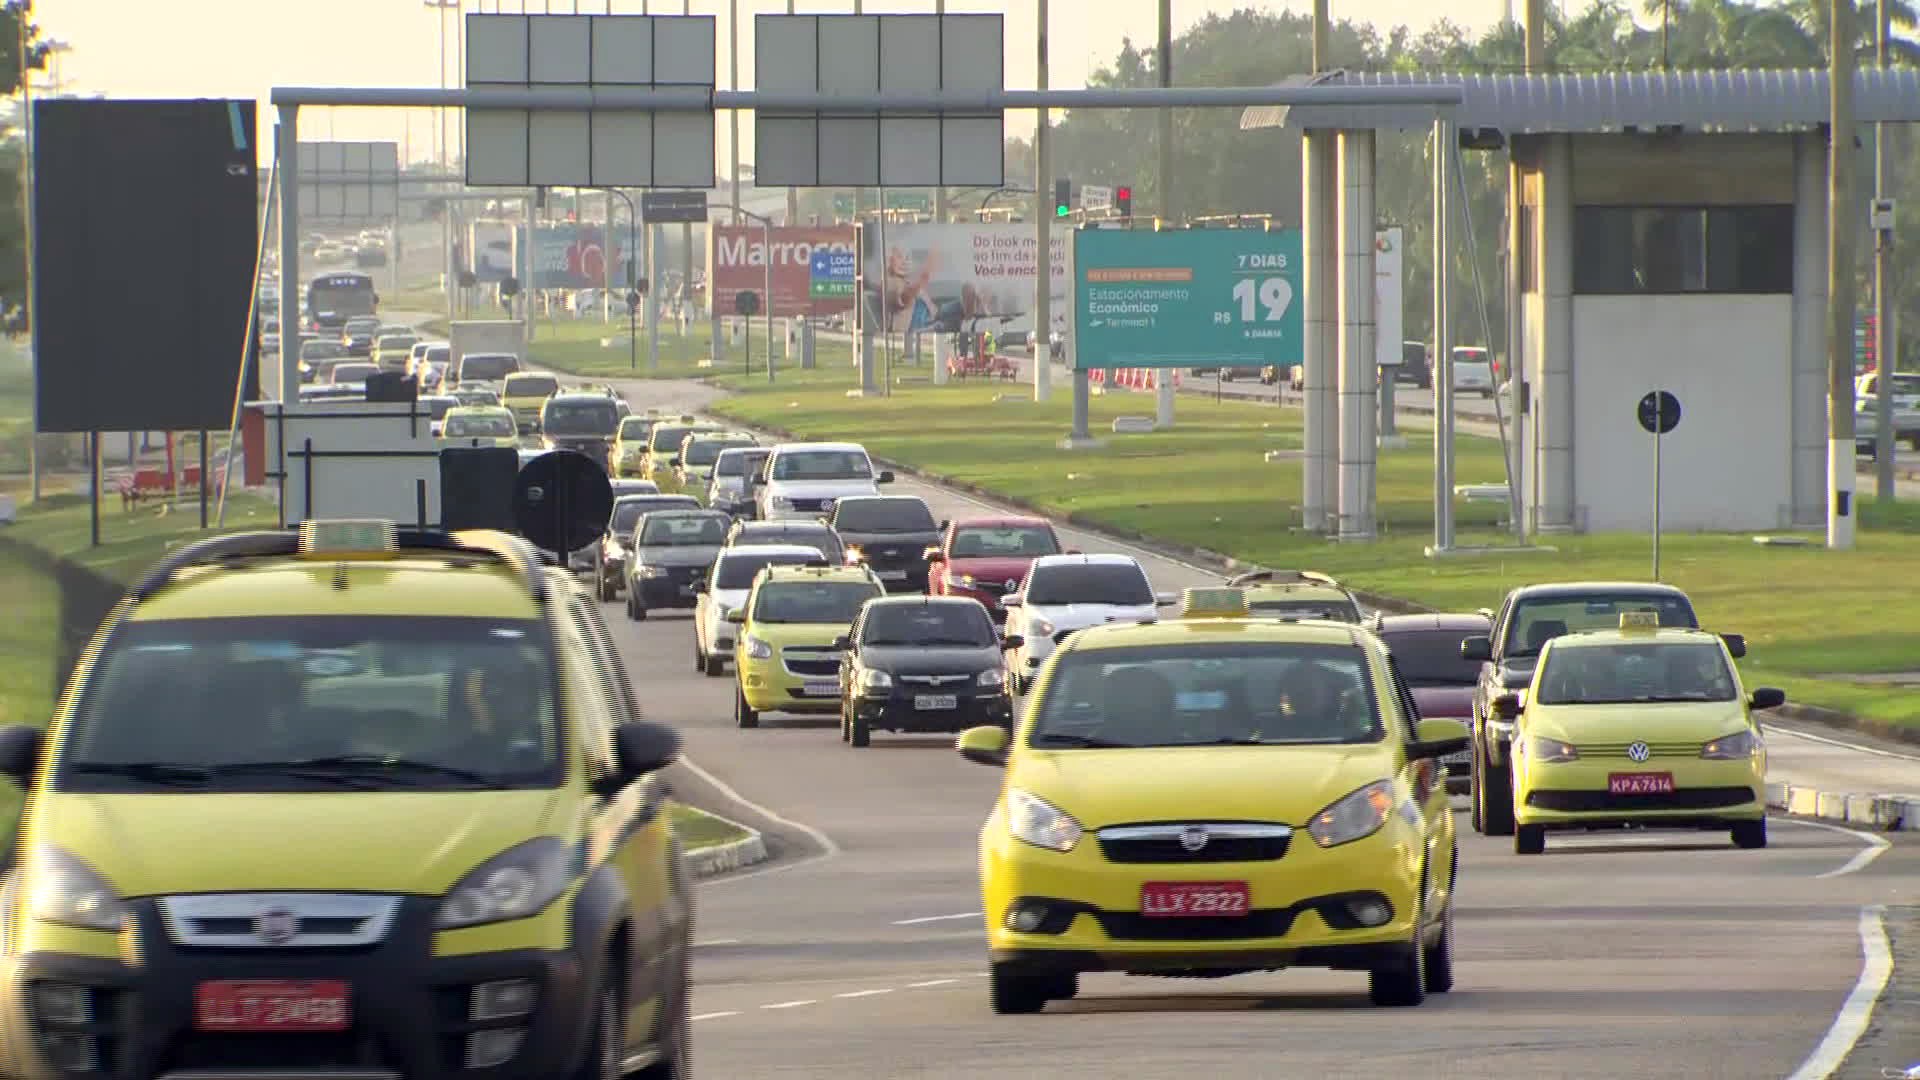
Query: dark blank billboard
(145, 235)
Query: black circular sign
(510, 287)
(561, 501)
(467, 280)
(1659, 412)
(633, 301)
(746, 302)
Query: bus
(332, 299)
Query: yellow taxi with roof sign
(1297, 594)
(1212, 795)
(1641, 726)
(349, 800)
(786, 657)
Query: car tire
(1474, 787)
(1529, 840)
(675, 1037)
(1439, 958)
(699, 658)
(1493, 788)
(606, 1039)
(1750, 835)
(846, 723)
(1014, 994)
(1402, 984)
(608, 594)
(858, 733)
(743, 714)
(716, 666)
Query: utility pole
(1840, 290)
(1163, 378)
(793, 198)
(1886, 343)
(939, 193)
(26, 188)
(1536, 39)
(1043, 228)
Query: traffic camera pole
(1043, 231)
(1886, 345)
(1163, 378)
(1840, 289)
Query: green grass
(574, 346)
(699, 829)
(29, 643)
(1806, 611)
(130, 542)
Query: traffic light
(1123, 200)
(1062, 197)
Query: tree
(16, 27)
(11, 70)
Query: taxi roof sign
(1216, 602)
(1639, 620)
(348, 537)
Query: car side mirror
(1437, 737)
(1164, 599)
(1736, 645)
(640, 747)
(737, 616)
(1763, 697)
(885, 477)
(1011, 600)
(1012, 641)
(844, 644)
(20, 752)
(1506, 706)
(1073, 551)
(984, 745)
(935, 555)
(1485, 613)
(700, 586)
(943, 524)
(1477, 647)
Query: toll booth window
(1626, 250)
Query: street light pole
(1841, 480)
(766, 265)
(1886, 344)
(633, 334)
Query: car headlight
(1546, 749)
(1740, 744)
(876, 680)
(1033, 820)
(615, 551)
(780, 502)
(854, 554)
(653, 571)
(62, 889)
(1353, 817)
(756, 649)
(515, 884)
(1042, 628)
(992, 678)
(966, 580)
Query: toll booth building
(1669, 232)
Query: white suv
(726, 588)
(804, 480)
(1065, 593)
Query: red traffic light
(1123, 199)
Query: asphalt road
(860, 952)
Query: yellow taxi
(629, 451)
(1297, 594)
(786, 654)
(478, 425)
(346, 801)
(1212, 795)
(663, 448)
(1644, 726)
(525, 393)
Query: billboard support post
(288, 172)
(1041, 338)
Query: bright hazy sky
(239, 48)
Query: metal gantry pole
(1441, 363)
(286, 388)
(1163, 378)
(33, 292)
(1841, 479)
(1886, 344)
(1043, 222)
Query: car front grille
(811, 506)
(1195, 843)
(1654, 750)
(1704, 798)
(811, 663)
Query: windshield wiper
(152, 772)
(357, 766)
(1083, 741)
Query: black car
(607, 560)
(891, 534)
(670, 554)
(921, 664)
(816, 534)
(582, 422)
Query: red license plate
(272, 1005)
(1190, 899)
(1640, 783)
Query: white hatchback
(726, 588)
(1066, 593)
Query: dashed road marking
(931, 982)
(864, 993)
(793, 1004)
(715, 1015)
(716, 941)
(938, 918)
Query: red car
(1426, 648)
(987, 557)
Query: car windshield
(883, 516)
(815, 536)
(303, 702)
(626, 512)
(1208, 694)
(477, 397)
(530, 386)
(438, 406)
(1636, 672)
(738, 571)
(322, 350)
(929, 624)
(488, 366)
(1333, 610)
(397, 343)
(635, 427)
(352, 373)
(1432, 657)
(1089, 583)
(684, 530)
(487, 427)
(667, 438)
(821, 465)
(812, 601)
(1539, 621)
(580, 418)
(704, 452)
(1004, 541)
(361, 326)
(738, 464)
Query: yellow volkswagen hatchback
(352, 802)
(1216, 795)
(1643, 726)
(786, 656)
(478, 425)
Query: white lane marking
(828, 849)
(931, 982)
(1875, 846)
(1843, 744)
(715, 1016)
(793, 1004)
(1876, 965)
(716, 941)
(938, 918)
(864, 993)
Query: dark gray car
(607, 561)
(671, 553)
(891, 534)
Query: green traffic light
(1061, 211)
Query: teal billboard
(1187, 298)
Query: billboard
(1389, 296)
(494, 247)
(570, 257)
(737, 258)
(947, 278)
(1187, 298)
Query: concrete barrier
(725, 858)
(1884, 813)
(1133, 425)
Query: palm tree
(1815, 18)
(1730, 34)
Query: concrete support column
(1808, 405)
(1520, 351)
(1358, 368)
(1320, 314)
(1551, 395)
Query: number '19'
(1274, 293)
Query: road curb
(733, 855)
(1886, 813)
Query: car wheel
(675, 1038)
(846, 724)
(1474, 772)
(1530, 840)
(608, 593)
(1013, 994)
(858, 733)
(716, 666)
(606, 1042)
(1402, 983)
(699, 658)
(743, 714)
(1750, 834)
(1439, 958)
(1494, 788)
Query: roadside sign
(1095, 196)
(1187, 298)
(1659, 412)
(830, 274)
(668, 207)
(844, 204)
